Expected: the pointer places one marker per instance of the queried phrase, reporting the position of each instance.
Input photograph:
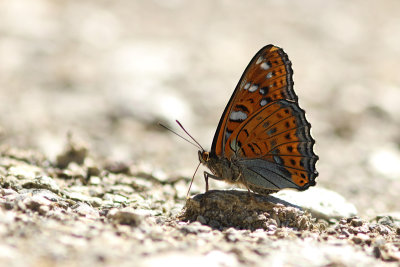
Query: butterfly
(263, 139)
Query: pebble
(41, 182)
(356, 222)
(24, 171)
(126, 216)
(7, 192)
(74, 151)
(86, 210)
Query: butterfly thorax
(221, 167)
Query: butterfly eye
(205, 156)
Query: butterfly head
(204, 156)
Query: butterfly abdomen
(232, 173)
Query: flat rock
(239, 209)
(322, 203)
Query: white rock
(322, 203)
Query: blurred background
(108, 71)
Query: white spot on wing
(278, 159)
(253, 88)
(265, 66)
(263, 102)
(238, 116)
(259, 60)
(246, 86)
(269, 75)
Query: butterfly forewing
(263, 128)
(267, 78)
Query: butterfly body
(229, 171)
(263, 139)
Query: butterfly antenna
(191, 182)
(187, 140)
(189, 135)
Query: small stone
(356, 240)
(125, 216)
(78, 196)
(272, 228)
(42, 182)
(86, 210)
(8, 205)
(361, 229)
(385, 220)
(346, 232)
(35, 202)
(7, 192)
(303, 223)
(232, 235)
(372, 226)
(74, 171)
(57, 214)
(383, 230)
(379, 241)
(201, 219)
(95, 180)
(96, 202)
(43, 210)
(377, 252)
(356, 222)
(73, 152)
(331, 231)
(272, 222)
(92, 168)
(360, 238)
(117, 167)
(261, 217)
(24, 171)
(195, 228)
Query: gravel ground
(88, 178)
(89, 215)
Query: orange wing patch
(267, 78)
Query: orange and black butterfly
(263, 139)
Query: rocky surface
(87, 215)
(104, 73)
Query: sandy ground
(108, 71)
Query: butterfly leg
(209, 175)
(206, 179)
(250, 194)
